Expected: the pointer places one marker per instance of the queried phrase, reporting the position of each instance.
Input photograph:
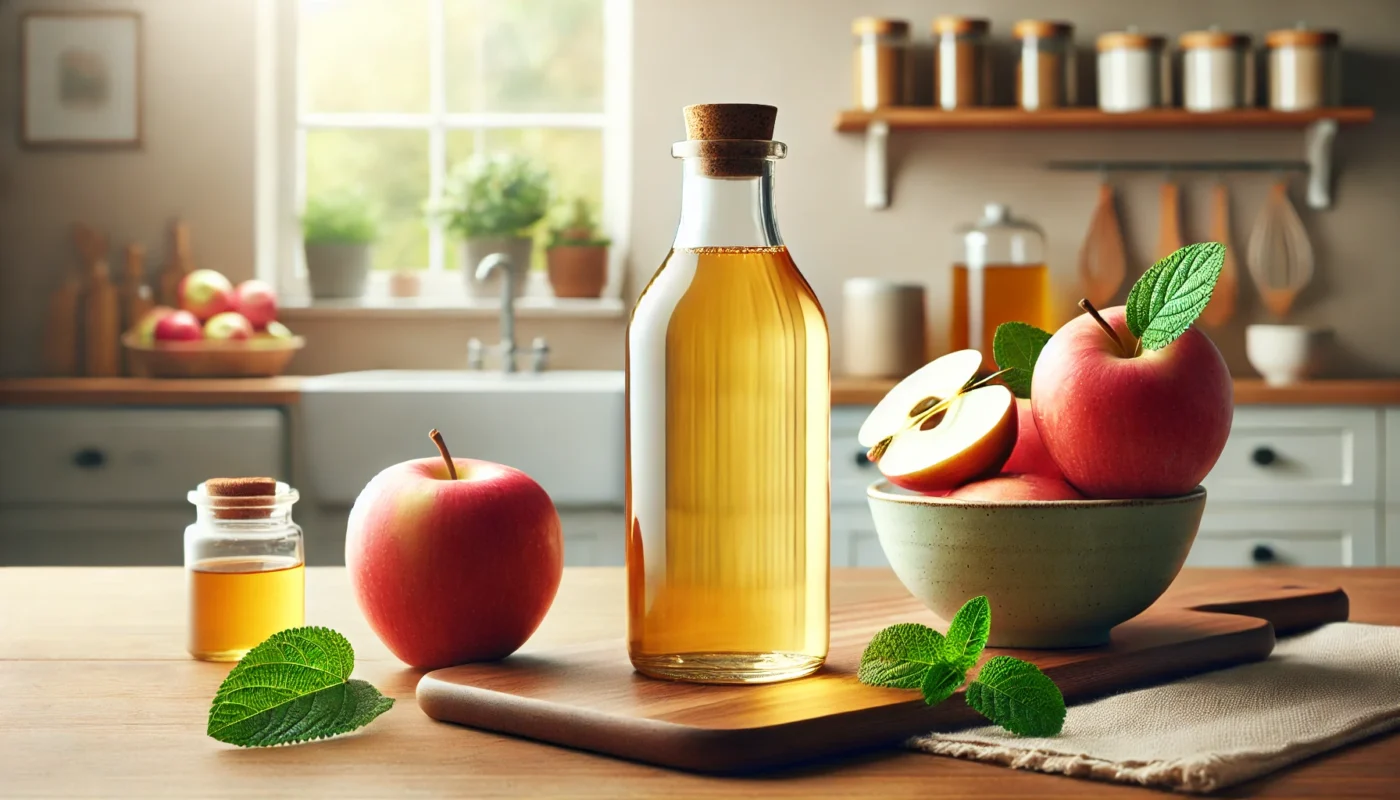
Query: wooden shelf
(918, 118)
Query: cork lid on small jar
(1042, 29)
(1195, 40)
(1302, 37)
(953, 24)
(242, 498)
(1130, 40)
(879, 26)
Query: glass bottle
(728, 414)
(1002, 278)
(246, 566)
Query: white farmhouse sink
(566, 429)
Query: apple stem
(446, 456)
(1108, 329)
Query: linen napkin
(1318, 691)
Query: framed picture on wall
(80, 76)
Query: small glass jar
(1134, 74)
(1305, 69)
(1002, 277)
(962, 75)
(1045, 76)
(1217, 71)
(882, 47)
(245, 563)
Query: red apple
(1015, 488)
(453, 560)
(256, 301)
(228, 325)
(1029, 456)
(1121, 425)
(178, 326)
(205, 293)
(145, 328)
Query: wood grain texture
(150, 391)
(1248, 391)
(981, 119)
(589, 697)
(100, 699)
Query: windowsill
(453, 307)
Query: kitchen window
(384, 97)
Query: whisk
(1280, 254)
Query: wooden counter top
(1248, 391)
(101, 700)
(844, 392)
(149, 392)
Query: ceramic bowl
(1058, 574)
(1281, 353)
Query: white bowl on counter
(1282, 354)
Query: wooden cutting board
(587, 696)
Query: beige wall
(198, 162)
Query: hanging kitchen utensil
(1169, 238)
(1222, 301)
(1280, 255)
(1103, 261)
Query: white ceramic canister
(1134, 74)
(1304, 69)
(1217, 71)
(883, 328)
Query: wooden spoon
(1169, 231)
(1103, 261)
(1222, 301)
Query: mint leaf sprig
(1010, 692)
(294, 687)
(1016, 347)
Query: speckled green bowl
(1058, 574)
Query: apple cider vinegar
(728, 411)
(236, 603)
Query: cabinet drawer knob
(1263, 554)
(89, 458)
(1264, 456)
(862, 460)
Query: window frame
(280, 132)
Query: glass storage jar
(1217, 71)
(961, 71)
(881, 51)
(1045, 75)
(245, 563)
(1002, 277)
(1134, 74)
(1305, 69)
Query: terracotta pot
(578, 270)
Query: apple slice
(970, 439)
(937, 380)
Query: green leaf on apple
(1173, 293)
(1016, 695)
(294, 687)
(1016, 346)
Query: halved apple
(970, 439)
(935, 381)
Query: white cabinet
(853, 539)
(1342, 535)
(1299, 455)
(594, 538)
(108, 486)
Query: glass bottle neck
(726, 211)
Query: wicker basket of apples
(219, 331)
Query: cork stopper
(241, 498)
(732, 140)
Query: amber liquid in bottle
(728, 396)
(236, 603)
(1011, 293)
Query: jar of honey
(1002, 277)
(246, 566)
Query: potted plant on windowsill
(492, 202)
(577, 255)
(337, 232)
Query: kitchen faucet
(475, 351)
